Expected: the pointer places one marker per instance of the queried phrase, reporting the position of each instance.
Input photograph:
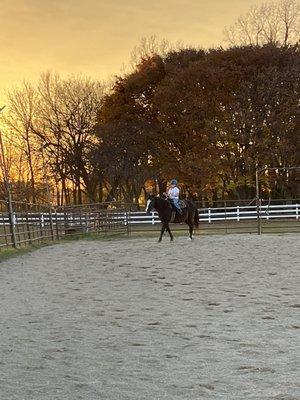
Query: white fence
(207, 215)
(22, 227)
(236, 213)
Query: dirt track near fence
(133, 319)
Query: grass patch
(93, 236)
(11, 252)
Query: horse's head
(150, 203)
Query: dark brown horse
(167, 214)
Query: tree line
(209, 118)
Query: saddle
(182, 204)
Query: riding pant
(175, 202)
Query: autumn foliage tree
(208, 118)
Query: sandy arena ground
(215, 318)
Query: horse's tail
(196, 218)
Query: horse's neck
(162, 205)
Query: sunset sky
(95, 37)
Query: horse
(167, 214)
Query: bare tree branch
(271, 22)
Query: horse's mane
(161, 199)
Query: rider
(173, 194)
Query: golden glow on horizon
(95, 37)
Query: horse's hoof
(190, 238)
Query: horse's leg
(170, 233)
(190, 223)
(191, 228)
(162, 231)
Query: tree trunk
(79, 193)
(29, 158)
(100, 192)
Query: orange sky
(95, 37)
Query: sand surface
(216, 318)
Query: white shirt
(173, 193)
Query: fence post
(209, 215)
(12, 221)
(267, 212)
(65, 220)
(238, 213)
(225, 217)
(259, 217)
(258, 202)
(128, 223)
(51, 223)
(106, 222)
(297, 211)
(87, 222)
(41, 221)
(28, 225)
(4, 228)
(153, 220)
(56, 224)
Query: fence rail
(31, 223)
(236, 213)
